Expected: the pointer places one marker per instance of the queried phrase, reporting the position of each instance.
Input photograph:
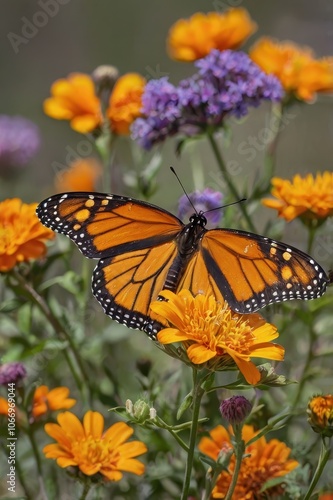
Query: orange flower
(309, 198)
(87, 447)
(4, 406)
(74, 99)
(80, 176)
(56, 399)
(191, 39)
(320, 411)
(212, 332)
(263, 461)
(125, 102)
(326, 496)
(21, 234)
(296, 67)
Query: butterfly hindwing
(104, 225)
(252, 271)
(125, 285)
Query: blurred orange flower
(263, 461)
(306, 197)
(193, 38)
(4, 406)
(125, 102)
(54, 399)
(87, 447)
(81, 175)
(74, 99)
(296, 67)
(211, 331)
(326, 496)
(21, 234)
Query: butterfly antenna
(224, 206)
(187, 196)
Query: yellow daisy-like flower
(296, 67)
(22, 236)
(193, 38)
(125, 102)
(81, 175)
(320, 411)
(212, 332)
(74, 99)
(55, 399)
(306, 197)
(263, 461)
(4, 406)
(92, 451)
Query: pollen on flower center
(94, 451)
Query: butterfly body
(143, 249)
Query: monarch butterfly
(143, 249)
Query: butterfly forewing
(252, 271)
(104, 225)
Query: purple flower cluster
(227, 84)
(19, 141)
(207, 199)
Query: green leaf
(186, 403)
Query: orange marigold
(74, 99)
(212, 332)
(193, 38)
(306, 197)
(320, 412)
(263, 461)
(296, 67)
(55, 399)
(87, 447)
(125, 102)
(21, 234)
(81, 175)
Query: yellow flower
(263, 461)
(309, 198)
(81, 175)
(296, 67)
(87, 447)
(193, 38)
(74, 99)
(21, 234)
(55, 399)
(212, 332)
(320, 411)
(125, 102)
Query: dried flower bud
(105, 77)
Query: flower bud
(105, 77)
(320, 412)
(141, 410)
(12, 373)
(235, 409)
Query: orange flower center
(218, 330)
(93, 451)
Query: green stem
(323, 459)
(239, 453)
(61, 332)
(198, 392)
(230, 184)
(35, 451)
(160, 423)
(303, 377)
(86, 488)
